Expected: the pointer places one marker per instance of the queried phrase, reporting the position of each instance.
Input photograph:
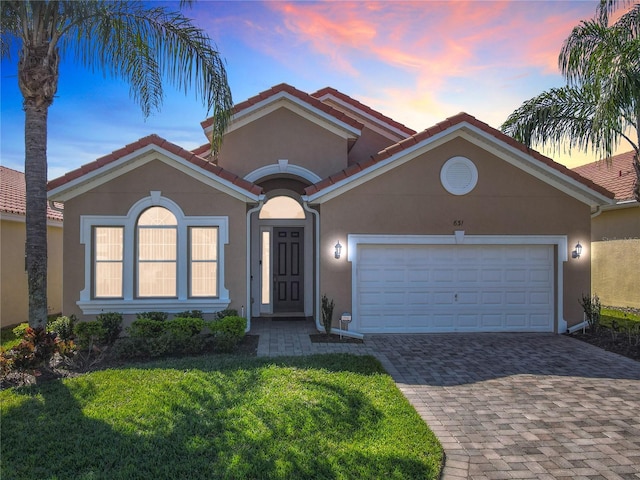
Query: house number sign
(458, 223)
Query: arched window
(154, 258)
(157, 253)
(281, 207)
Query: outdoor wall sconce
(577, 251)
(338, 250)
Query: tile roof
(162, 143)
(360, 106)
(299, 94)
(13, 194)
(440, 127)
(618, 175)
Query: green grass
(223, 417)
(8, 338)
(624, 320)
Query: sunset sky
(416, 62)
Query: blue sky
(417, 62)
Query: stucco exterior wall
(285, 135)
(617, 224)
(411, 200)
(116, 198)
(14, 291)
(616, 272)
(615, 264)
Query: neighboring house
(457, 228)
(14, 293)
(615, 233)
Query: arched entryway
(282, 267)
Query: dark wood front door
(288, 278)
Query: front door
(288, 278)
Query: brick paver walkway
(505, 405)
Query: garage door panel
(442, 275)
(540, 298)
(455, 288)
(491, 320)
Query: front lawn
(323, 416)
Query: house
(14, 292)
(457, 228)
(615, 233)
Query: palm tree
(138, 43)
(600, 105)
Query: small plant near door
(327, 313)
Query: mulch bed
(604, 339)
(332, 338)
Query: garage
(454, 288)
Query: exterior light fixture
(338, 250)
(577, 251)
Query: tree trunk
(38, 81)
(35, 165)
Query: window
(157, 253)
(154, 258)
(203, 261)
(266, 268)
(281, 207)
(108, 262)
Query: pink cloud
(425, 37)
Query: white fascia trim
(474, 135)
(286, 100)
(378, 169)
(538, 169)
(366, 115)
(622, 205)
(138, 158)
(354, 240)
(281, 168)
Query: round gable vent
(459, 175)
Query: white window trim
(129, 304)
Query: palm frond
(147, 46)
(563, 119)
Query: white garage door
(454, 288)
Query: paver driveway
(508, 405)
(522, 405)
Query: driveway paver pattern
(506, 405)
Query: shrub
(35, 351)
(88, 334)
(63, 327)
(155, 338)
(185, 326)
(190, 314)
(20, 330)
(327, 313)
(229, 312)
(592, 308)
(157, 316)
(112, 325)
(227, 332)
(146, 328)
